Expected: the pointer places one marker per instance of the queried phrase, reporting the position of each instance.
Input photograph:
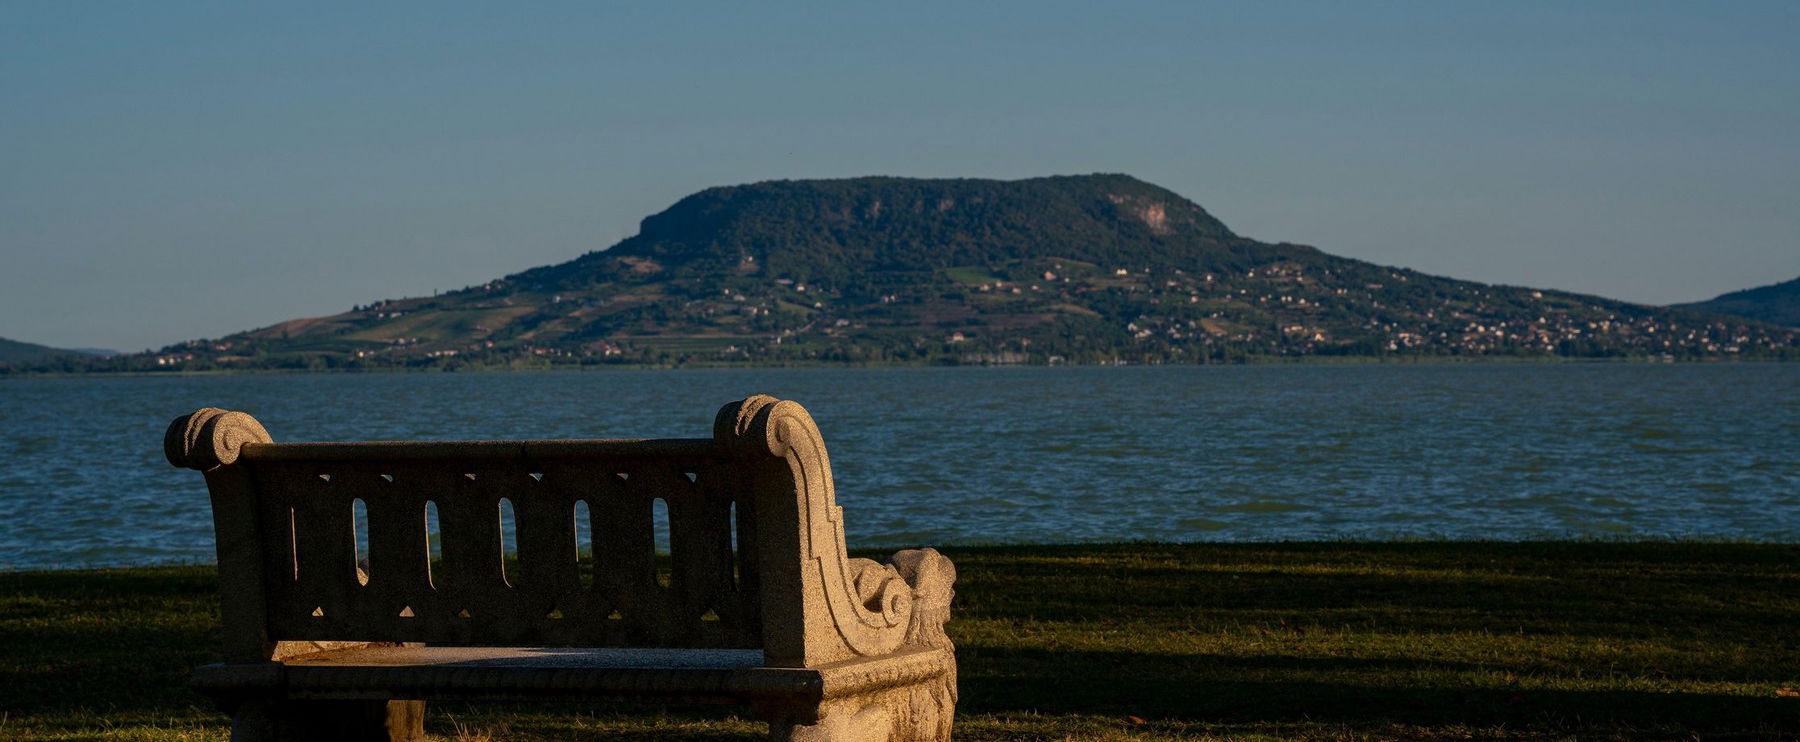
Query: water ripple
(950, 456)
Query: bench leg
(920, 713)
(328, 721)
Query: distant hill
(1776, 303)
(1078, 269)
(17, 352)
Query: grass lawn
(1328, 641)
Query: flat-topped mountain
(843, 231)
(1776, 303)
(1084, 269)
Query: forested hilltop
(1776, 303)
(16, 352)
(1076, 269)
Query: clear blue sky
(179, 170)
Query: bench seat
(532, 673)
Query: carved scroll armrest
(210, 437)
(933, 579)
(867, 606)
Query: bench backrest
(755, 555)
(471, 595)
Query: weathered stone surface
(756, 602)
(210, 437)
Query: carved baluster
(469, 523)
(281, 562)
(584, 609)
(749, 583)
(546, 533)
(399, 552)
(730, 582)
(700, 537)
(362, 608)
(325, 538)
(624, 545)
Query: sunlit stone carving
(319, 646)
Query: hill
(1080, 269)
(1776, 303)
(17, 352)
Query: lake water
(984, 455)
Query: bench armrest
(819, 605)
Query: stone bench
(755, 603)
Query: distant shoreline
(603, 368)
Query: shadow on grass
(1523, 636)
(120, 640)
(1276, 689)
(1698, 597)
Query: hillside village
(976, 316)
(1083, 269)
